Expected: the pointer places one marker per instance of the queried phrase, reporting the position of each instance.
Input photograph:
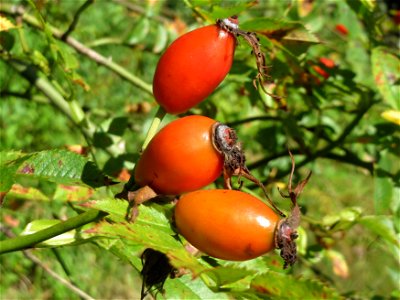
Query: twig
(349, 157)
(326, 150)
(28, 254)
(29, 241)
(53, 274)
(78, 46)
(44, 85)
(76, 19)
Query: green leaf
(40, 61)
(115, 207)
(385, 68)
(7, 40)
(385, 177)
(292, 129)
(72, 193)
(226, 275)
(151, 229)
(78, 79)
(383, 194)
(383, 226)
(272, 28)
(140, 31)
(60, 166)
(187, 287)
(343, 220)
(161, 39)
(272, 284)
(70, 62)
(26, 193)
(8, 168)
(219, 12)
(72, 237)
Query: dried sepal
(285, 238)
(252, 39)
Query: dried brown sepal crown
(231, 25)
(155, 271)
(225, 141)
(285, 238)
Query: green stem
(160, 114)
(78, 46)
(74, 112)
(29, 241)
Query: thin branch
(78, 46)
(60, 279)
(352, 159)
(45, 86)
(29, 241)
(28, 254)
(336, 143)
(76, 19)
(349, 157)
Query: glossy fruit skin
(226, 224)
(180, 158)
(192, 67)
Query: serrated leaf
(271, 28)
(72, 193)
(117, 208)
(226, 275)
(26, 193)
(386, 71)
(61, 166)
(129, 253)
(272, 284)
(187, 287)
(8, 156)
(151, 229)
(301, 35)
(9, 163)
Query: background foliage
(76, 75)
